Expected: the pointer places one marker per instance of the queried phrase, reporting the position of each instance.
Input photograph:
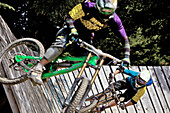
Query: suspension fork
(84, 65)
(79, 77)
(97, 69)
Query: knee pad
(52, 53)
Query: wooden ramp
(48, 98)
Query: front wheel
(77, 97)
(13, 72)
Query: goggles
(140, 81)
(106, 11)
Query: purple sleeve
(122, 32)
(120, 25)
(88, 4)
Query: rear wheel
(13, 72)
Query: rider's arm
(131, 73)
(76, 13)
(122, 32)
(118, 70)
(126, 71)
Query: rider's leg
(55, 50)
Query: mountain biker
(83, 21)
(135, 86)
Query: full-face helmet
(106, 7)
(143, 77)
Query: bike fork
(79, 77)
(67, 101)
(90, 84)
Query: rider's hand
(126, 62)
(74, 33)
(122, 106)
(120, 68)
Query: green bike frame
(53, 72)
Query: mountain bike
(20, 56)
(82, 85)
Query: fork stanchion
(85, 64)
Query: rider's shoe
(36, 73)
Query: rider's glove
(111, 76)
(122, 106)
(120, 68)
(74, 33)
(126, 62)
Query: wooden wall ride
(48, 98)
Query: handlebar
(94, 50)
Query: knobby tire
(24, 41)
(77, 97)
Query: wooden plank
(102, 76)
(40, 98)
(58, 98)
(157, 88)
(166, 72)
(24, 97)
(51, 98)
(153, 94)
(96, 86)
(164, 86)
(30, 94)
(11, 100)
(60, 92)
(10, 95)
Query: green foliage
(4, 6)
(54, 10)
(146, 23)
(147, 26)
